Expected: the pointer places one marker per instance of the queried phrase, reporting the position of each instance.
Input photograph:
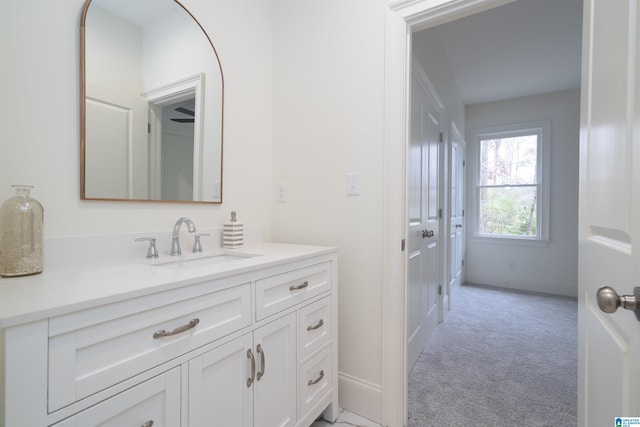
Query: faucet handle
(152, 252)
(197, 247)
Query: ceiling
(522, 48)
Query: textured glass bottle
(21, 221)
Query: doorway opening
(404, 21)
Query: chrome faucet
(175, 241)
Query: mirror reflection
(152, 98)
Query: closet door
(424, 229)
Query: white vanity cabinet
(265, 363)
(250, 344)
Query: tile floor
(346, 419)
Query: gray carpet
(500, 358)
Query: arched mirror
(151, 104)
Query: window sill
(509, 241)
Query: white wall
(428, 50)
(113, 64)
(328, 121)
(304, 105)
(40, 124)
(553, 268)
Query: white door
(116, 154)
(609, 224)
(423, 238)
(456, 212)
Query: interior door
(423, 264)
(115, 167)
(457, 165)
(609, 224)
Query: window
(511, 182)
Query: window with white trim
(511, 182)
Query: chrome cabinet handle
(316, 326)
(262, 365)
(180, 329)
(317, 380)
(148, 424)
(458, 225)
(253, 368)
(609, 300)
(298, 287)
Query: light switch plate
(353, 184)
(216, 190)
(282, 194)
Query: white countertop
(59, 290)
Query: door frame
(454, 137)
(157, 98)
(403, 17)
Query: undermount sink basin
(204, 260)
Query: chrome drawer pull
(262, 365)
(178, 330)
(298, 287)
(317, 380)
(253, 368)
(316, 326)
(148, 424)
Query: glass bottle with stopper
(21, 240)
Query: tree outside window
(508, 185)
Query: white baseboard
(525, 284)
(360, 397)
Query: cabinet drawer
(314, 380)
(154, 402)
(314, 327)
(94, 349)
(276, 293)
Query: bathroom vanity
(241, 338)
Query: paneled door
(609, 224)
(423, 273)
(115, 166)
(457, 165)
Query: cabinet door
(155, 402)
(219, 393)
(275, 386)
